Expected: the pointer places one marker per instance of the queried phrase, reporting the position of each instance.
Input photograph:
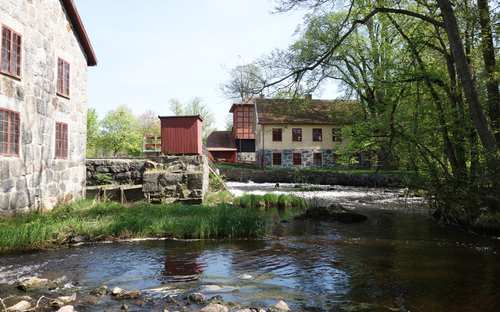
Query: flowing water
(398, 260)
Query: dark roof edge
(184, 116)
(80, 31)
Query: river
(398, 260)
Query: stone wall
(248, 157)
(312, 177)
(164, 178)
(287, 157)
(35, 179)
(116, 171)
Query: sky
(150, 51)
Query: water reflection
(181, 263)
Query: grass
(96, 221)
(281, 201)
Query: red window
(297, 134)
(317, 134)
(318, 159)
(337, 135)
(277, 135)
(276, 159)
(61, 140)
(11, 52)
(297, 159)
(62, 77)
(9, 132)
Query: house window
(62, 77)
(11, 52)
(61, 140)
(337, 135)
(317, 134)
(297, 134)
(9, 133)
(318, 159)
(276, 159)
(277, 135)
(297, 159)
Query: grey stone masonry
(163, 178)
(35, 179)
(248, 157)
(307, 157)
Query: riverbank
(323, 176)
(94, 221)
(90, 221)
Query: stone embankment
(163, 179)
(310, 177)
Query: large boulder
(334, 212)
(21, 306)
(34, 282)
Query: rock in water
(281, 306)
(68, 308)
(334, 212)
(214, 307)
(35, 283)
(100, 291)
(21, 306)
(119, 293)
(197, 298)
(63, 300)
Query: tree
(194, 107)
(93, 135)
(121, 133)
(245, 82)
(415, 67)
(149, 123)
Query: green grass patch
(96, 221)
(281, 201)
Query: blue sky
(150, 51)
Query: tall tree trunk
(488, 51)
(465, 75)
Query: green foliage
(195, 107)
(416, 91)
(103, 178)
(93, 133)
(282, 201)
(108, 220)
(120, 133)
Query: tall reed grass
(104, 220)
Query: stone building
(45, 52)
(294, 133)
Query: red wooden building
(181, 135)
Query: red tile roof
(80, 31)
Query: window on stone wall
(61, 140)
(297, 159)
(63, 70)
(337, 135)
(317, 134)
(11, 52)
(276, 159)
(277, 134)
(297, 134)
(318, 159)
(9, 133)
